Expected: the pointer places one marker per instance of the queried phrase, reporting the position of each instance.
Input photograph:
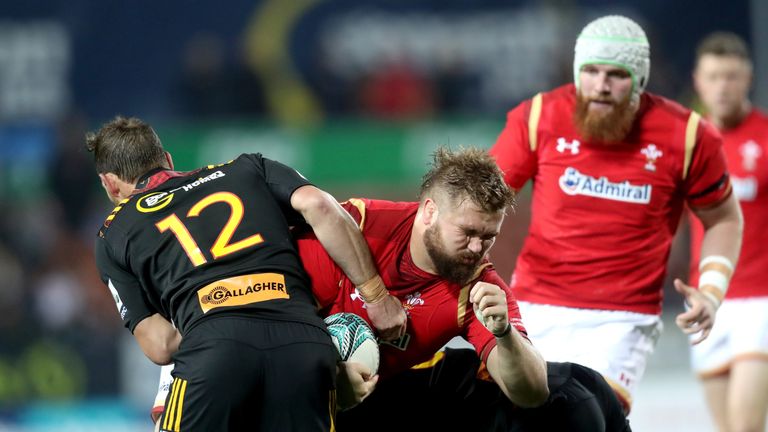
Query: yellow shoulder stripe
(690, 140)
(464, 295)
(533, 121)
(360, 205)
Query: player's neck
(734, 118)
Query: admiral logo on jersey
(572, 182)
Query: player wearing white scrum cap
(613, 167)
(618, 41)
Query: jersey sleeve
(476, 333)
(513, 149)
(282, 182)
(131, 302)
(707, 182)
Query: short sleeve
(132, 305)
(282, 182)
(513, 151)
(707, 182)
(476, 333)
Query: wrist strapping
(716, 271)
(505, 332)
(373, 290)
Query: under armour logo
(563, 145)
(652, 153)
(356, 296)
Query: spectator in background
(212, 86)
(397, 91)
(733, 362)
(612, 167)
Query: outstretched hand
(700, 316)
(388, 316)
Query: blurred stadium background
(355, 94)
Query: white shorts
(615, 343)
(740, 331)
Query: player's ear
(110, 184)
(429, 215)
(169, 159)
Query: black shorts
(239, 374)
(580, 400)
(448, 396)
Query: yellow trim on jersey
(624, 397)
(114, 211)
(172, 418)
(332, 409)
(464, 295)
(463, 298)
(437, 358)
(690, 140)
(180, 406)
(360, 205)
(533, 121)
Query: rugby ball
(353, 339)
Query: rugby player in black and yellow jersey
(205, 274)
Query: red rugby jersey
(746, 150)
(437, 310)
(603, 216)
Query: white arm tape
(719, 259)
(712, 297)
(715, 279)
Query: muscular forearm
(520, 371)
(723, 239)
(337, 232)
(723, 227)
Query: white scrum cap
(619, 41)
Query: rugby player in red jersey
(612, 168)
(733, 362)
(431, 255)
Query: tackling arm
(157, 338)
(519, 370)
(342, 239)
(515, 365)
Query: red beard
(607, 128)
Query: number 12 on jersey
(221, 246)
